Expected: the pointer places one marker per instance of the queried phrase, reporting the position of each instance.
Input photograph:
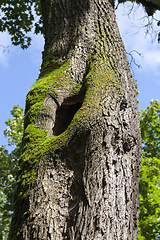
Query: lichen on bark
(78, 174)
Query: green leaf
(8, 168)
(149, 182)
(19, 18)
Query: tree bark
(78, 174)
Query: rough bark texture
(79, 180)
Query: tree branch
(151, 3)
(4, 48)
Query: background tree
(8, 167)
(78, 173)
(149, 186)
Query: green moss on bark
(36, 142)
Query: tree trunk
(78, 174)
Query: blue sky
(134, 37)
(19, 68)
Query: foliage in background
(137, 91)
(149, 185)
(19, 18)
(8, 166)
